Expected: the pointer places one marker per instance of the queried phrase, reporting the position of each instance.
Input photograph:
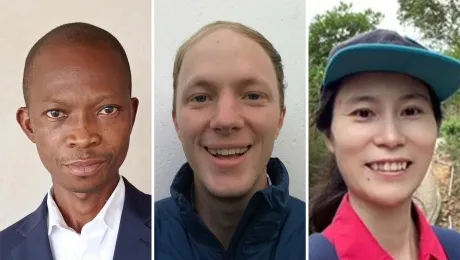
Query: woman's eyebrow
(415, 96)
(374, 99)
(361, 98)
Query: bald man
(80, 114)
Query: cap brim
(440, 72)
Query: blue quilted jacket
(272, 227)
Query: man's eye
(253, 96)
(200, 98)
(108, 110)
(54, 114)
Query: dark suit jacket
(27, 239)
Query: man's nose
(83, 132)
(227, 115)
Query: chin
(389, 198)
(228, 191)
(85, 189)
(227, 195)
(88, 187)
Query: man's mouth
(85, 167)
(228, 152)
(389, 166)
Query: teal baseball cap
(387, 51)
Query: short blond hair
(238, 28)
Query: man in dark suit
(80, 114)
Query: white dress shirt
(98, 237)
(269, 180)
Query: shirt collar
(269, 180)
(361, 244)
(54, 214)
(107, 213)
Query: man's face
(228, 114)
(80, 115)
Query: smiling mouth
(228, 152)
(399, 166)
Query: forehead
(381, 84)
(224, 54)
(72, 67)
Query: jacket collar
(134, 234)
(266, 210)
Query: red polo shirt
(352, 240)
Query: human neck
(78, 209)
(222, 215)
(392, 227)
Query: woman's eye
(108, 110)
(363, 113)
(412, 112)
(54, 114)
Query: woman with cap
(380, 112)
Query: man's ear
(176, 126)
(134, 105)
(280, 122)
(23, 119)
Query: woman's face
(383, 135)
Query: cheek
(263, 122)
(349, 140)
(114, 131)
(191, 124)
(422, 137)
(47, 138)
(48, 147)
(350, 146)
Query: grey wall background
(23, 179)
(281, 22)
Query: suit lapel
(133, 239)
(35, 244)
(134, 235)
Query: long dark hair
(327, 194)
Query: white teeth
(231, 151)
(374, 167)
(386, 167)
(394, 167)
(389, 167)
